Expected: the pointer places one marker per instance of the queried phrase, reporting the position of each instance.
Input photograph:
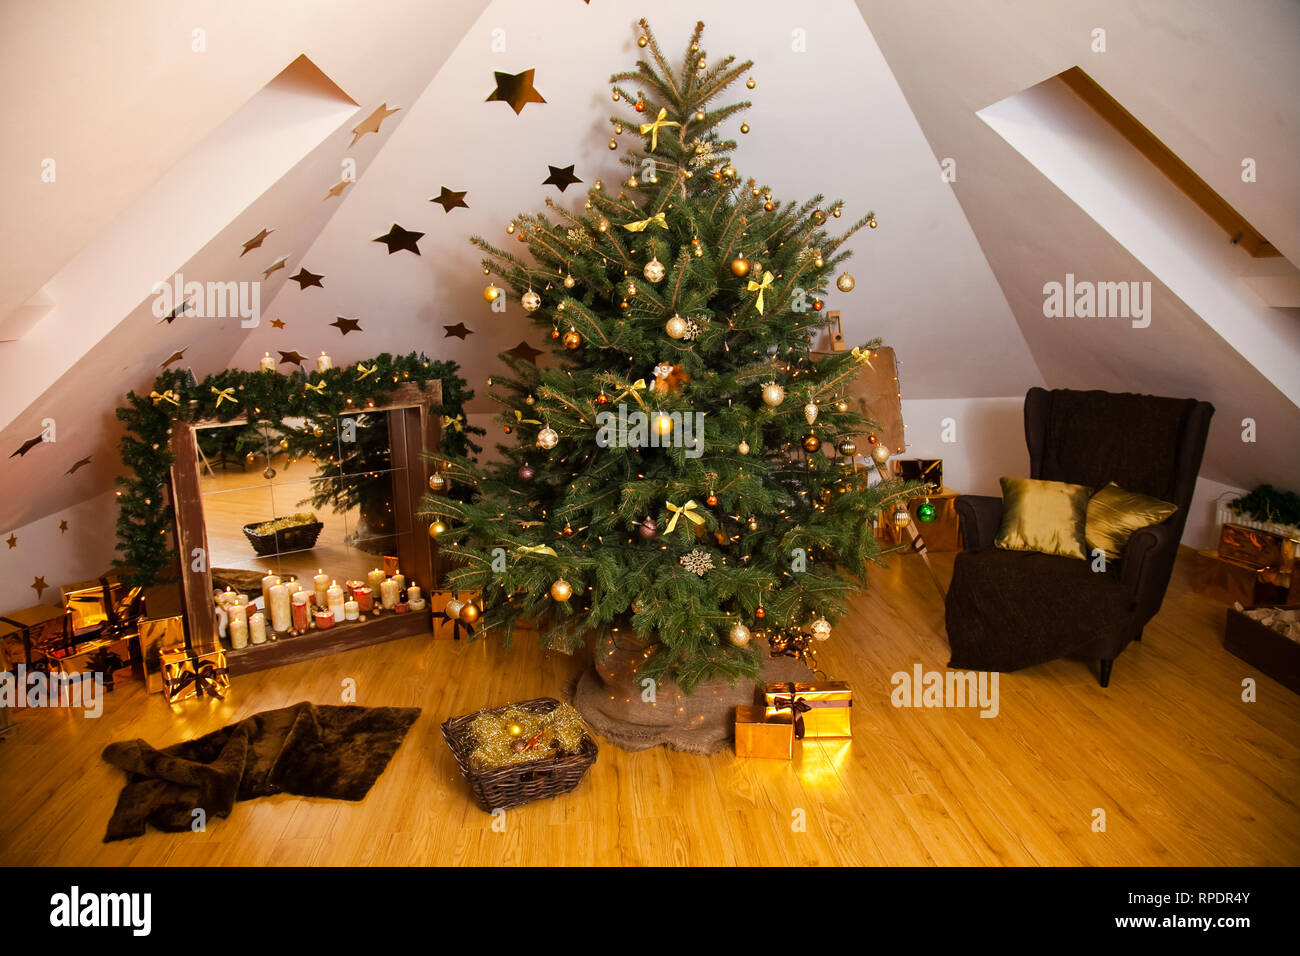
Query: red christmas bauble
(527, 473)
(760, 613)
(648, 529)
(711, 500)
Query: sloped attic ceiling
(1207, 78)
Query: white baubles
(547, 438)
(654, 270)
(531, 301)
(821, 629)
(738, 635)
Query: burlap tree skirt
(613, 701)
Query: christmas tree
(683, 468)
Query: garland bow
(685, 511)
(653, 128)
(759, 287)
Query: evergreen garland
(145, 517)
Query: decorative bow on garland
(653, 128)
(361, 367)
(204, 675)
(520, 420)
(685, 511)
(862, 355)
(455, 423)
(167, 396)
(759, 287)
(632, 390)
(318, 388)
(538, 549)
(641, 225)
(797, 707)
(224, 395)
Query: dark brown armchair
(1007, 610)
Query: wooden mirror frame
(412, 430)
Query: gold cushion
(1114, 514)
(1046, 516)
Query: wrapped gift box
(30, 635)
(188, 675)
(1255, 549)
(823, 708)
(85, 601)
(758, 735)
(443, 628)
(112, 658)
(156, 636)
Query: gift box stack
(790, 712)
(1251, 566)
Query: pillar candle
(334, 597)
(241, 599)
(280, 618)
(322, 582)
(401, 581)
(267, 364)
(375, 578)
(298, 610)
(364, 597)
(413, 594)
(324, 620)
(350, 588)
(351, 610)
(257, 628)
(388, 594)
(238, 632)
(324, 363)
(238, 612)
(416, 605)
(268, 582)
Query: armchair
(1006, 610)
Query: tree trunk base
(609, 697)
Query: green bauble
(926, 512)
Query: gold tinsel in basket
(513, 735)
(283, 524)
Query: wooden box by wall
(1263, 647)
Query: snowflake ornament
(697, 561)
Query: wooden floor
(1185, 771)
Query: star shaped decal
(40, 586)
(525, 352)
(449, 199)
(177, 312)
(561, 177)
(275, 266)
(27, 446)
(515, 89)
(63, 526)
(458, 330)
(305, 277)
(12, 540)
(347, 325)
(175, 357)
(398, 238)
(80, 463)
(337, 188)
(255, 242)
(277, 323)
(291, 358)
(371, 123)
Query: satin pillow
(1114, 514)
(1045, 516)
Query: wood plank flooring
(1185, 772)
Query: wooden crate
(1263, 647)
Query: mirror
(311, 496)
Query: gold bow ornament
(653, 128)
(224, 395)
(520, 420)
(318, 388)
(539, 549)
(456, 423)
(862, 355)
(759, 287)
(633, 390)
(361, 367)
(685, 511)
(167, 396)
(641, 225)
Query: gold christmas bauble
(879, 453)
(641, 41)
(469, 613)
(699, 116)
(750, 84)
(847, 447)
(437, 481)
(654, 270)
(728, 171)
(743, 447)
(437, 528)
(810, 412)
(561, 590)
(845, 282)
(841, 406)
(872, 222)
(602, 225)
(515, 730)
(491, 293)
(676, 327)
(901, 517)
(740, 267)
(613, 144)
(531, 301)
(773, 394)
(811, 443)
(569, 282)
(547, 438)
(744, 127)
(837, 212)
(738, 635)
(572, 340)
(752, 524)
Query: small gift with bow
(817, 709)
(761, 735)
(189, 673)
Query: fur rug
(306, 749)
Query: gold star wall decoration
(458, 331)
(371, 123)
(291, 358)
(63, 526)
(40, 586)
(79, 464)
(449, 199)
(12, 540)
(175, 357)
(515, 89)
(277, 323)
(275, 266)
(525, 351)
(305, 277)
(347, 325)
(26, 446)
(255, 242)
(337, 189)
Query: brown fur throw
(306, 749)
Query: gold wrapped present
(111, 657)
(33, 633)
(89, 602)
(189, 674)
(156, 636)
(758, 735)
(819, 709)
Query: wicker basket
(508, 787)
(300, 537)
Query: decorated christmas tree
(683, 466)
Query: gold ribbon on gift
(224, 395)
(455, 423)
(538, 549)
(653, 128)
(167, 396)
(640, 226)
(318, 388)
(862, 355)
(361, 367)
(759, 287)
(519, 419)
(638, 386)
(685, 511)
